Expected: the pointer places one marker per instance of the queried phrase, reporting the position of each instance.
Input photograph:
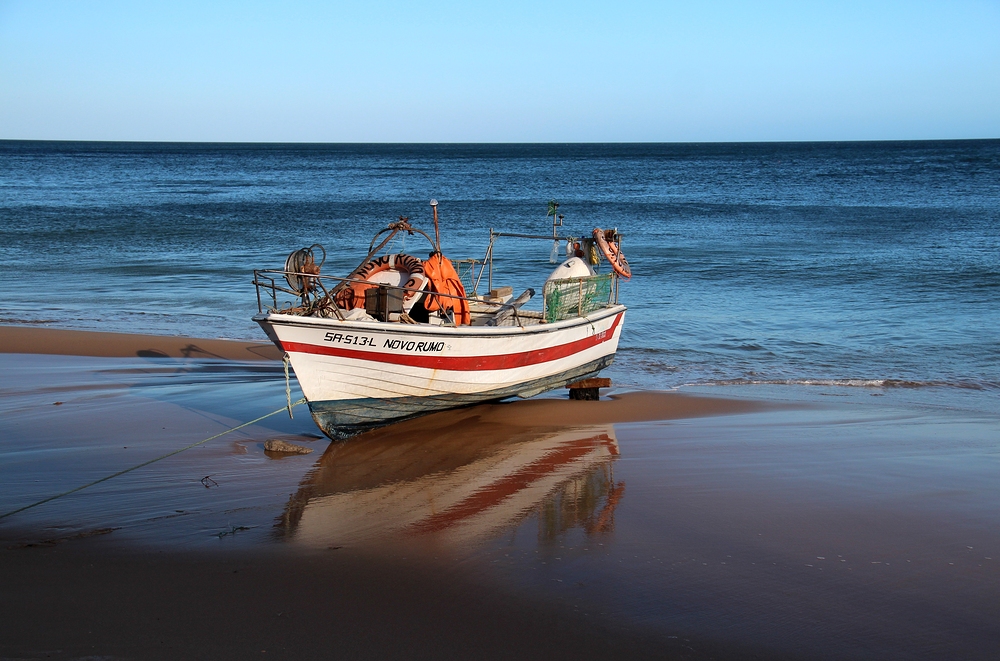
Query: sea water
(874, 264)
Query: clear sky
(499, 71)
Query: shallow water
(843, 529)
(70, 421)
(846, 533)
(862, 264)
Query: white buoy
(574, 267)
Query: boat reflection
(458, 479)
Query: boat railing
(572, 298)
(466, 269)
(487, 267)
(315, 296)
(315, 292)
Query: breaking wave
(851, 383)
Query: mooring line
(151, 461)
(286, 359)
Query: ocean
(868, 265)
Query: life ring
(353, 295)
(606, 242)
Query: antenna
(556, 218)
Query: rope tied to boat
(152, 461)
(288, 386)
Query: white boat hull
(357, 375)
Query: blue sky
(510, 71)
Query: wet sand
(93, 600)
(651, 525)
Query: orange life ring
(353, 295)
(606, 242)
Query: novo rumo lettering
(422, 347)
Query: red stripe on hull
(462, 363)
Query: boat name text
(413, 346)
(400, 345)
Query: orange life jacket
(444, 279)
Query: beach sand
(40, 340)
(650, 525)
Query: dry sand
(651, 525)
(33, 339)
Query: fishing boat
(400, 336)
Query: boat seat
(506, 312)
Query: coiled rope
(151, 461)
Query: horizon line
(497, 143)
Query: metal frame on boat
(364, 368)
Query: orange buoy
(609, 246)
(353, 295)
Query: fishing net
(467, 271)
(575, 297)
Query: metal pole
(437, 230)
(492, 235)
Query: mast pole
(437, 230)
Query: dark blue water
(869, 264)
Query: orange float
(607, 242)
(444, 279)
(353, 295)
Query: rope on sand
(151, 461)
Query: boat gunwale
(276, 318)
